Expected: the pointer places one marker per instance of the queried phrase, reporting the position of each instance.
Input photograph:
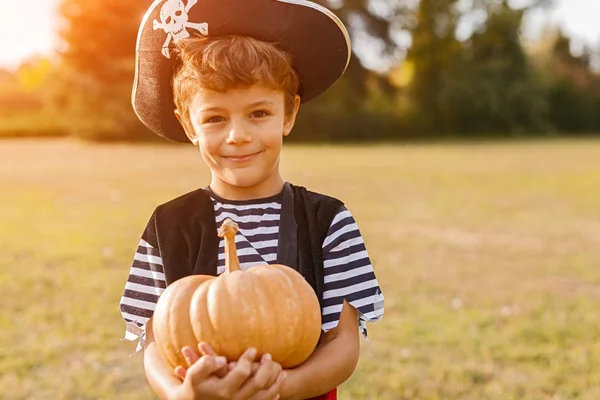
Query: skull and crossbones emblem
(175, 21)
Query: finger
(231, 365)
(275, 369)
(272, 393)
(206, 350)
(222, 372)
(255, 366)
(180, 372)
(190, 355)
(266, 373)
(205, 367)
(241, 371)
(264, 378)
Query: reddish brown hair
(222, 63)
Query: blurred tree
(573, 89)
(494, 87)
(26, 89)
(34, 75)
(373, 24)
(434, 50)
(360, 106)
(97, 68)
(484, 83)
(25, 100)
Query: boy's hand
(199, 381)
(205, 349)
(192, 357)
(209, 377)
(265, 378)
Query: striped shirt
(348, 272)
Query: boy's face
(240, 133)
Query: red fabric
(327, 396)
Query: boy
(229, 76)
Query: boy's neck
(267, 188)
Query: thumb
(204, 368)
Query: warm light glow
(578, 18)
(27, 27)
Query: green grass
(488, 255)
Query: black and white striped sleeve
(145, 283)
(349, 275)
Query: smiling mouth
(242, 158)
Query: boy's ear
(191, 135)
(290, 119)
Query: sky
(29, 27)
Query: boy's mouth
(242, 157)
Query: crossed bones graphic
(174, 21)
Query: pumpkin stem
(228, 230)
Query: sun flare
(20, 40)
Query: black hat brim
(317, 40)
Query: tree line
(490, 83)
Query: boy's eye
(214, 120)
(259, 114)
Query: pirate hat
(317, 40)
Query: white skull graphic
(173, 17)
(174, 20)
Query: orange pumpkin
(171, 320)
(269, 307)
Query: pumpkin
(269, 307)
(171, 320)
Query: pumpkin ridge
(309, 315)
(290, 328)
(212, 315)
(260, 323)
(299, 320)
(171, 323)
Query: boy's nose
(238, 134)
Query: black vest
(185, 232)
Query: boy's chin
(245, 181)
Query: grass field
(488, 254)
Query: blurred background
(464, 138)
(422, 69)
